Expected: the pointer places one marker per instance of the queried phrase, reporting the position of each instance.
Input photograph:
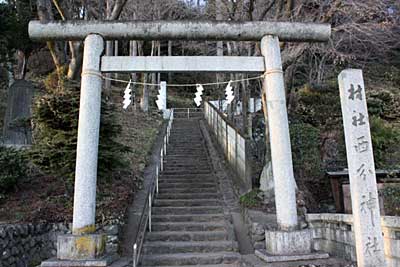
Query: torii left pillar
(84, 244)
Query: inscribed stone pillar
(88, 137)
(282, 166)
(360, 160)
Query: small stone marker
(360, 160)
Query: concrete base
(102, 262)
(288, 243)
(81, 247)
(262, 254)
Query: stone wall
(258, 222)
(24, 245)
(333, 233)
(27, 244)
(231, 142)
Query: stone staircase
(190, 225)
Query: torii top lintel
(180, 30)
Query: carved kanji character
(362, 145)
(355, 94)
(357, 121)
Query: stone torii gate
(84, 243)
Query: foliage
(384, 104)
(251, 199)
(305, 140)
(55, 119)
(14, 19)
(318, 108)
(13, 168)
(385, 141)
(391, 195)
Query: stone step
(188, 190)
(176, 156)
(188, 226)
(187, 236)
(188, 218)
(187, 171)
(187, 186)
(186, 202)
(188, 195)
(179, 139)
(186, 151)
(186, 148)
(183, 159)
(186, 210)
(208, 265)
(190, 259)
(183, 155)
(174, 169)
(164, 180)
(170, 247)
(187, 176)
(186, 136)
(189, 164)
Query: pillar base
(288, 242)
(81, 247)
(262, 254)
(103, 262)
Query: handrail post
(157, 176)
(150, 212)
(134, 254)
(188, 113)
(165, 145)
(162, 159)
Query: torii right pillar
(287, 239)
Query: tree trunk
(229, 108)
(133, 51)
(21, 65)
(11, 79)
(245, 102)
(220, 44)
(144, 101)
(267, 143)
(159, 54)
(45, 14)
(75, 63)
(109, 52)
(169, 54)
(116, 53)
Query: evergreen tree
(55, 122)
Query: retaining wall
(333, 233)
(27, 244)
(24, 245)
(232, 142)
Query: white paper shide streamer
(127, 95)
(198, 94)
(229, 93)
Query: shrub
(13, 168)
(55, 120)
(251, 199)
(391, 195)
(305, 140)
(385, 141)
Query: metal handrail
(137, 246)
(188, 111)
